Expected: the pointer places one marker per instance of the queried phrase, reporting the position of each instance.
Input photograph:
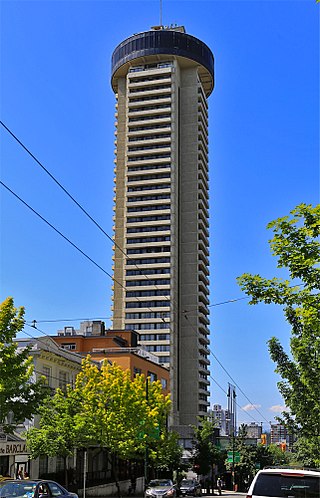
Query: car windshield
(287, 486)
(13, 489)
(160, 482)
(187, 482)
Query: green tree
(206, 450)
(274, 456)
(18, 393)
(254, 457)
(245, 468)
(116, 408)
(57, 434)
(122, 414)
(297, 248)
(106, 408)
(166, 454)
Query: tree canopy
(253, 457)
(165, 453)
(206, 452)
(57, 434)
(106, 408)
(19, 392)
(297, 248)
(117, 411)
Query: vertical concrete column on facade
(188, 245)
(120, 209)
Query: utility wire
(225, 370)
(195, 312)
(63, 236)
(74, 245)
(227, 302)
(56, 181)
(128, 258)
(76, 202)
(109, 317)
(235, 383)
(56, 230)
(166, 298)
(68, 320)
(237, 404)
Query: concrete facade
(162, 81)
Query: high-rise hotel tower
(162, 79)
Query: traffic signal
(264, 439)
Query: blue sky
(264, 159)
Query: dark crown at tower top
(163, 41)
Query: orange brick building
(117, 346)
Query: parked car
(190, 487)
(29, 488)
(161, 487)
(285, 483)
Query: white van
(285, 483)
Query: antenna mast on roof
(160, 12)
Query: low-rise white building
(60, 367)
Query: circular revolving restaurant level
(159, 43)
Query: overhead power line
(229, 301)
(84, 211)
(57, 320)
(235, 383)
(70, 242)
(105, 233)
(56, 230)
(237, 404)
(56, 181)
(109, 317)
(226, 371)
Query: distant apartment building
(224, 419)
(254, 430)
(279, 435)
(117, 346)
(218, 416)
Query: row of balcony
(144, 103)
(149, 90)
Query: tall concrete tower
(162, 79)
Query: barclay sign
(10, 448)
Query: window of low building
(46, 371)
(153, 376)
(63, 379)
(136, 371)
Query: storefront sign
(13, 448)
